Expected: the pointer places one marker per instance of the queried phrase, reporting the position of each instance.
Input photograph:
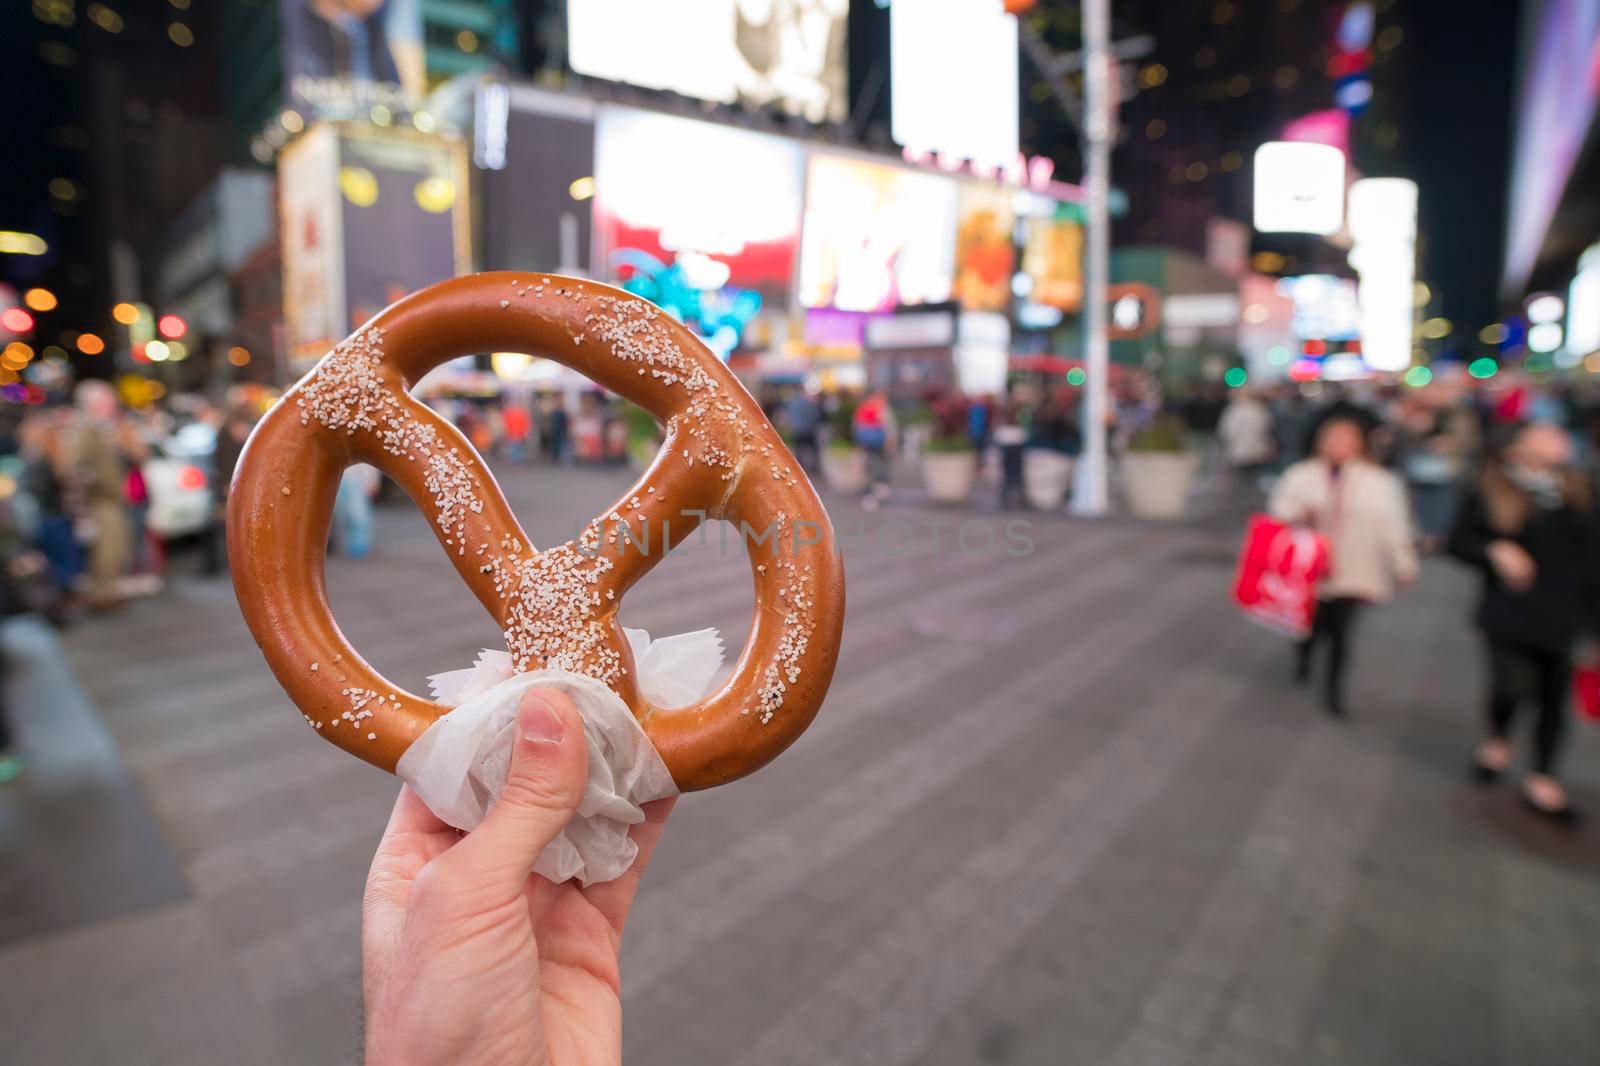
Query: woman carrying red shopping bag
(1531, 529)
(1360, 511)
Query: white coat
(1365, 518)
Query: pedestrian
(557, 429)
(873, 427)
(1360, 510)
(1530, 529)
(97, 471)
(1245, 432)
(352, 510)
(231, 437)
(978, 424)
(516, 425)
(1438, 440)
(1011, 439)
(43, 450)
(802, 418)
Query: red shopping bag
(1586, 690)
(1279, 567)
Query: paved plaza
(1062, 807)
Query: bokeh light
(16, 320)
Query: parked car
(178, 479)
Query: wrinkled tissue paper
(458, 765)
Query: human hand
(1513, 564)
(470, 959)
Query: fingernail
(540, 722)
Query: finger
(549, 763)
(614, 898)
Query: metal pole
(1090, 496)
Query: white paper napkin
(458, 765)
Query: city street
(1061, 806)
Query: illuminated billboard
(1383, 224)
(875, 236)
(1299, 188)
(789, 54)
(1557, 95)
(986, 254)
(1326, 308)
(1052, 259)
(342, 59)
(367, 216)
(727, 212)
(1583, 305)
(953, 79)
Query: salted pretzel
(721, 458)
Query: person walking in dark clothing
(231, 437)
(1530, 529)
(802, 417)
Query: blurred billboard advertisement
(986, 255)
(342, 58)
(713, 240)
(1326, 307)
(313, 246)
(788, 54)
(1383, 223)
(368, 216)
(1559, 84)
(1299, 188)
(728, 211)
(953, 79)
(1052, 258)
(875, 236)
(1583, 305)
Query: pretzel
(721, 458)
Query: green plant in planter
(642, 425)
(841, 444)
(948, 444)
(1166, 433)
(644, 433)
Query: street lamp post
(1089, 496)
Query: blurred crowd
(1498, 474)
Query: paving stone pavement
(1062, 807)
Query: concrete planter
(845, 469)
(948, 476)
(1156, 484)
(1046, 477)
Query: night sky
(1459, 59)
(1459, 144)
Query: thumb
(549, 763)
